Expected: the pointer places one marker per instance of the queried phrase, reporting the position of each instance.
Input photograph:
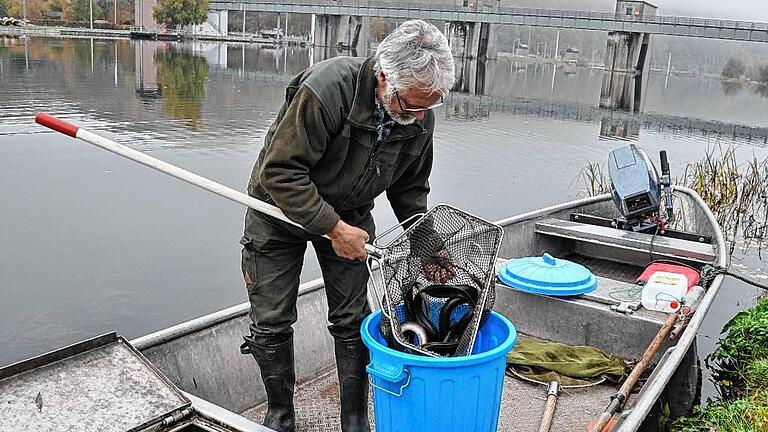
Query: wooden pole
(550, 407)
(617, 401)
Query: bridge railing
(458, 7)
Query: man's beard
(400, 118)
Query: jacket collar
(363, 105)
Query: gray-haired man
(349, 129)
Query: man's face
(400, 102)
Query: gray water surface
(90, 242)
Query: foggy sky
(748, 10)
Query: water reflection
(146, 73)
(762, 90)
(182, 77)
(461, 107)
(621, 128)
(731, 88)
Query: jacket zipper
(366, 177)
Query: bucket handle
(404, 374)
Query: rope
(709, 273)
(511, 371)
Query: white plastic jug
(664, 291)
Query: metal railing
(491, 13)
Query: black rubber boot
(351, 360)
(275, 358)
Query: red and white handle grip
(56, 124)
(75, 131)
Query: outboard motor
(636, 189)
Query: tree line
(736, 69)
(170, 12)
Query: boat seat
(624, 246)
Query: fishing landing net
(439, 282)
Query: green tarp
(544, 361)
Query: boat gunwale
(635, 415)
(632, 417)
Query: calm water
(92, 243)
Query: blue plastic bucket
(445, 394)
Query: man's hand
(348, 241)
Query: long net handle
(75, 131)
(549, 413)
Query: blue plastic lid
(548, 275)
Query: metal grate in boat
(317, 406)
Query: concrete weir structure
(345, 31)
(627, 61)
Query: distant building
(571, 55)
(634, 9)
(522, 50)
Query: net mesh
(448, 248)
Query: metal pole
(75, 131)
(115, 12)
(90, 10)
(312, 24)
(24, 10)
(529, 39)
(243, 6)
(115, 63)
(557, 46)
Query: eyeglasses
(416, 110)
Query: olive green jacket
(320, 162)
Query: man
(349, 129)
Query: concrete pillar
(491, 44)
(471, 39)
(627, 61)
(143, 13)
(344, 31)
(327, 30)
(472, 44)
(219, 20)
(627, 68)
(312, 27)
(361, 35)
(456, 32)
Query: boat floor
(522, 404)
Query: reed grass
(736, 193)
(594, 179)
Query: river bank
(77, 32)
(740, 371)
